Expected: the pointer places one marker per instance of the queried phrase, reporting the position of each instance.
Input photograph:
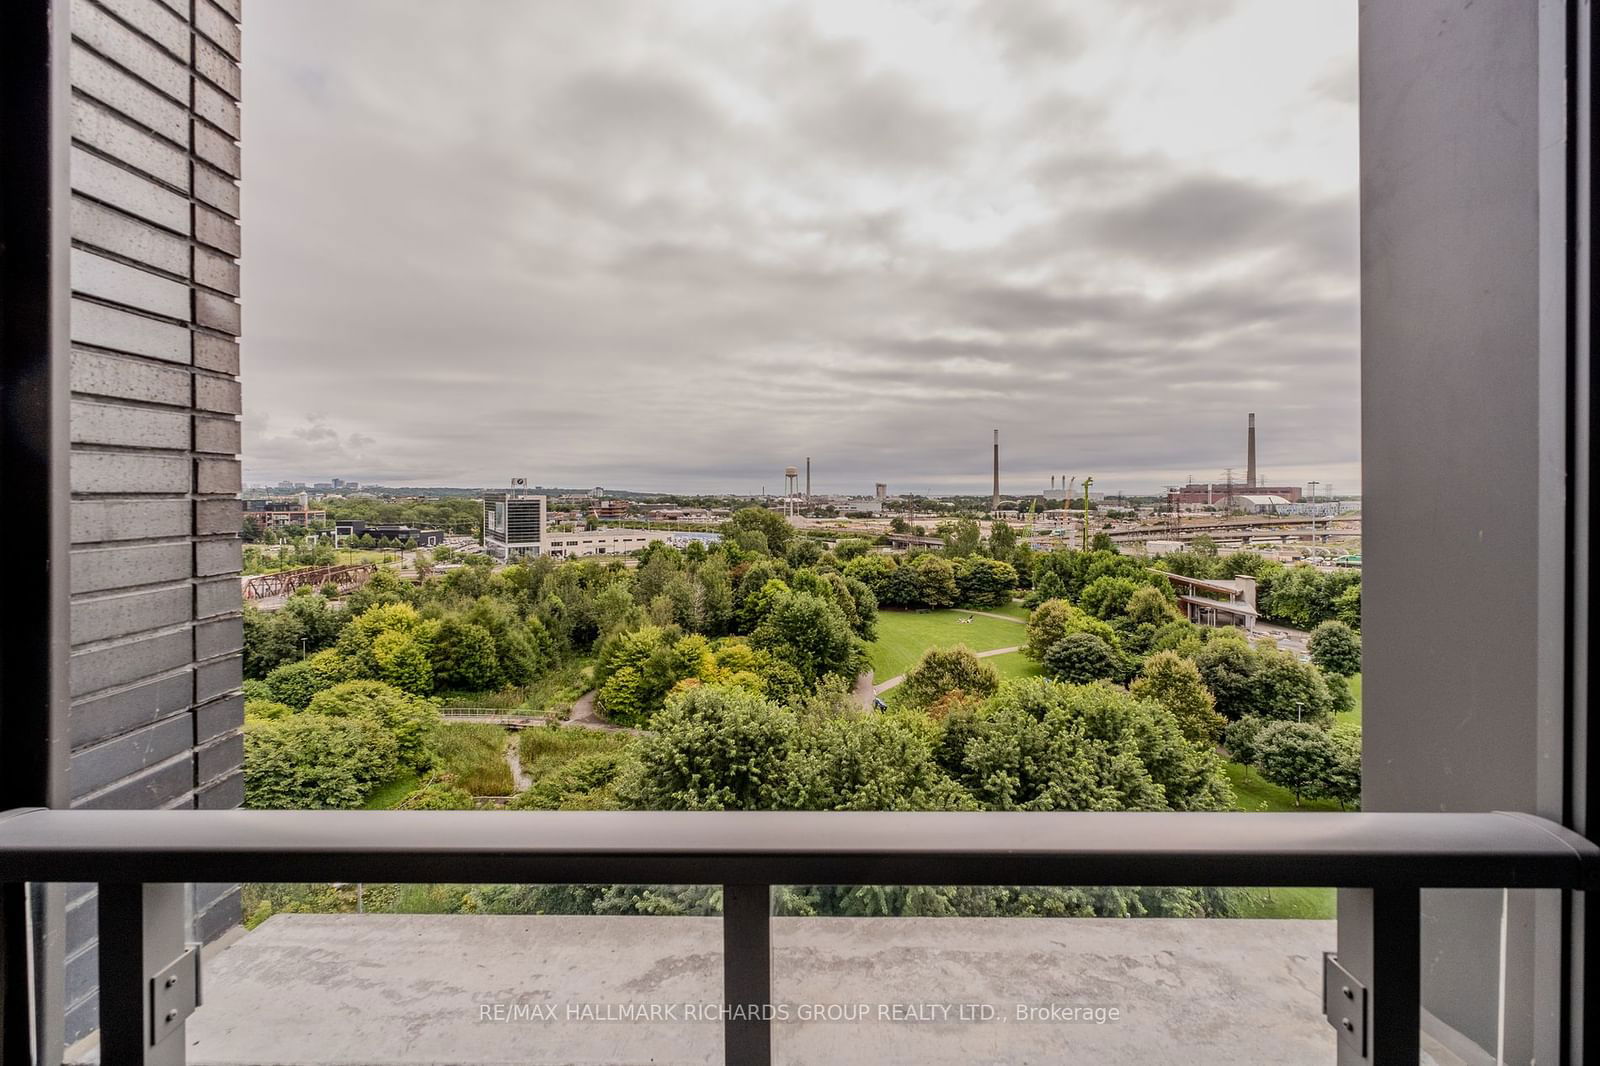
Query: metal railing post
(747, 974)
(149, 973)
(1380, 944)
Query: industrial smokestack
(994, 503)
(808, 477)
(1052, 483)
(1250, 457)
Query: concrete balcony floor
(409, 990)
(384, 990)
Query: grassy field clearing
(545, 750)
(904, 635)
(475, 755)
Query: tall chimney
(808, 477)
(994, 503)
(1250, 457)
(1052, 483)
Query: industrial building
(1216, 494)
(273, 513)
(513, 524)
(1258, 503)
(355, 527)
(583, 543)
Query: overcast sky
(660, 246)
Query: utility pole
(1314, 514)
(1087, 481)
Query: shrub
(943, 672)
(295, 683)
(311, 761)
(411, 721)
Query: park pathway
(584, 716)
(1002, 617)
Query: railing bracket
(1344, 1003)
(174, 994)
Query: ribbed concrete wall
(156, 628)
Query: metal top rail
(1371, 850)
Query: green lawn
(386, 795)
(1254, 794)
(1011, 610)
(1287, 902)
(1015, 664)
(904, 635)
(1355, 715)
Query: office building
(513, 524)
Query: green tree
(1298, 756)
(935, 581)
(713, 749)
(1108, 597)
(942, 672)
(1240, 739)
(1228, 665)
(982, 582)
(868, 763)
(1344, 779)
(1080, 658)
(1284, 687)
(1002, 540)
(1174, 682)
(295, 683)
(1148, 605)
(413, 723)
(770, 524)
(1039, 745)
(850, 548)
(402, 661)
(802, 551)
(464, 656)
(961, 538)
(1335, 648)
(1054, 619)
(1048, 586)
(811, 634)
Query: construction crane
(1087, 481)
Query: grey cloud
(662, 247)
(1203, 217)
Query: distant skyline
(680, 247)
